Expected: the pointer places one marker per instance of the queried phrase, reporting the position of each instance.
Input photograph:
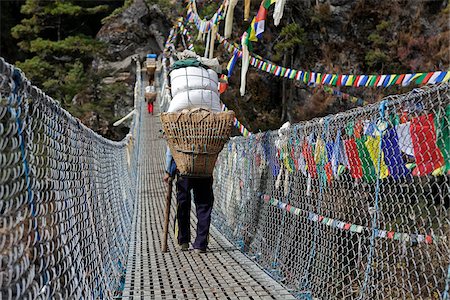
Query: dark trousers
(203, 198)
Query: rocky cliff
(139, 29)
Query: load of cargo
(151, 64)
(194, 87)
(150, 93)
(195, 127)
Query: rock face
(139, 29)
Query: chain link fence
(67, 196)
(350, 206)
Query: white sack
(194, 99)
(193, 78)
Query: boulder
(138, 29)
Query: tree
(59, 40)
(291, 37)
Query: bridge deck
(222, 273)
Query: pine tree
(57, 34)
(291, 37)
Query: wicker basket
(195, 139)
(150, 97)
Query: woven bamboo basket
(195, 138)
(150, 97)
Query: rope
(447, 285)
(321, 178)
(382, 109)
(51, 165)
(17, 83)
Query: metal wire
(66, 197)
(352, 206)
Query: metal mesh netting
(162, 86)
(351, 206)
(66, 197)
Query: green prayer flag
(334, 80)
(293, 73)
(442, 125)
(306, 77)
(349, 128)
(366, 161)
(420, 79)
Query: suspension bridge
(351, 206)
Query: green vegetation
(199, 47)
(376, 58)
(165, 5)
(376, 39)
(384, 25)
(103, 103)
(291, 36)
(117, 11)
(208, 9)
(60, 53)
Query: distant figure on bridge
(150, 97)
(203, 198)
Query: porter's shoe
(200, 250)
(184, 246)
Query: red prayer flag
(222, 87)
(339, 80)
(307, 153)
(353, 159)
(355, 83)
(329, 172)
(427, 154)
(400, 79)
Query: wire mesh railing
(67, 196)
(164, 96)
(350, 206)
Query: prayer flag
(260, 20)
(373, 147)
(427, 154)
(232, 63)
(353, 158)
(392, 154)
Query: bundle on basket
(151, 64)
(150, 93)
(195, 138)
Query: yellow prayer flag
(392, 79)
(349, 80)
(318, 78)
(373, 146)
(447, 77)
(252, 34)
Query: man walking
(203, 199)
